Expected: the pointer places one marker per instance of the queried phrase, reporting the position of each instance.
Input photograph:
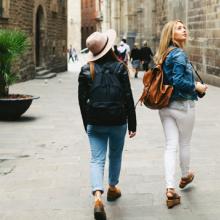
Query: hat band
(102, 48)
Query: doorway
(39, 37)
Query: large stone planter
(13, 106)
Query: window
(63, 3)
(4, 8)
(1, 8)
(62, 6)
(53, 50)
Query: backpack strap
(116, 67)
(92, 68)
(166, 54)
(197, 73)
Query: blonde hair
(166, 39)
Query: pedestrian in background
(115, 48)
(127, 50)
(70, 52)
(122, 52)
(107, 124)
(136, 59)
(126, 46)
(178, 118)
(74, 54)
(146, 55)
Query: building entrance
(39, 37)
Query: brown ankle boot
(99, 211)
(173, 198)
(114, 194)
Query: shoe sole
(99, 216)
(111, 199)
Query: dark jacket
(85, 82)
(178, 72)
(146, 54)
(136, 54)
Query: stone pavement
(44, 160)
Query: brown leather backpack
(155, 94)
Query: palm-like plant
(12, 44)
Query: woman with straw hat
(105, 127)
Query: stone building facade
(139, 20)
(126, 17)
(91, 18)
(45, 23)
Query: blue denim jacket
(178, 72)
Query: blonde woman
(178, 118)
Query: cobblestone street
(44, 160)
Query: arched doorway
(39, 37)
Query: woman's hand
(201, 88)
(131, 134)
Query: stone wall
(53, 34)
(203, 21)
(144, 19)
(204, 44)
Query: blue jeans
(99, 138)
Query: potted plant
(13, 43)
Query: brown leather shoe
(186, 180)
(99, 211)
(112, 195)
(173, 198)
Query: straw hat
(100, 43)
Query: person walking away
(107, 109)
(178, 118)
(74, 54)
(146, 56)
(128, 50)
(123, 55)
(116, 51)
(136, 59)
(70, 51)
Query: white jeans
(178, 126)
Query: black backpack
(106, 96)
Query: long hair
(166, 39)
(109, 56)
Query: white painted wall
(74, 24)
